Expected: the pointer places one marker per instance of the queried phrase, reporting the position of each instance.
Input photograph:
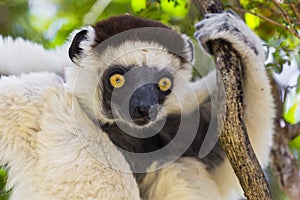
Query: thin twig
(283, 13)
(293, 131)
(296, 11)
(293, 32)
(294, 8)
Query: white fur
(21, 56)
(73, 159)
(185, 179)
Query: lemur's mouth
(145, 116)
(142, 121)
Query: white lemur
(127, 95)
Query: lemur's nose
(143, 104)
(142, 111)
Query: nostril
(137, 110)
(142, 111)
(143, 114)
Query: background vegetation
(49, 22)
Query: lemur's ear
(75, 50)
(189, 49)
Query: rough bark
(293, 131)
(233, 134)
(284, 165)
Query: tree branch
(293, 131)
(292, 31)
(284, 14)
(233, 134)
(295, 10)
(284, 165)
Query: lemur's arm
(258, 101)
(51, 148)
(20, 56)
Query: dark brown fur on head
(159, 33)
(132, 28)
(117, 24)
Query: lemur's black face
(135, 94)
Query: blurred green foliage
(49, 22)
(3, 194)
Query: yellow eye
(117, 80)
(164, 84)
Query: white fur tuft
(52, 149)
(21, 56)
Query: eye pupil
(117, 80)
(165, 84)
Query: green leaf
(138, 5)
(176, 8)
(3, 176)
(277, 68)
(298, 86)
(295, 142)
(292, 115)
(252, 21)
